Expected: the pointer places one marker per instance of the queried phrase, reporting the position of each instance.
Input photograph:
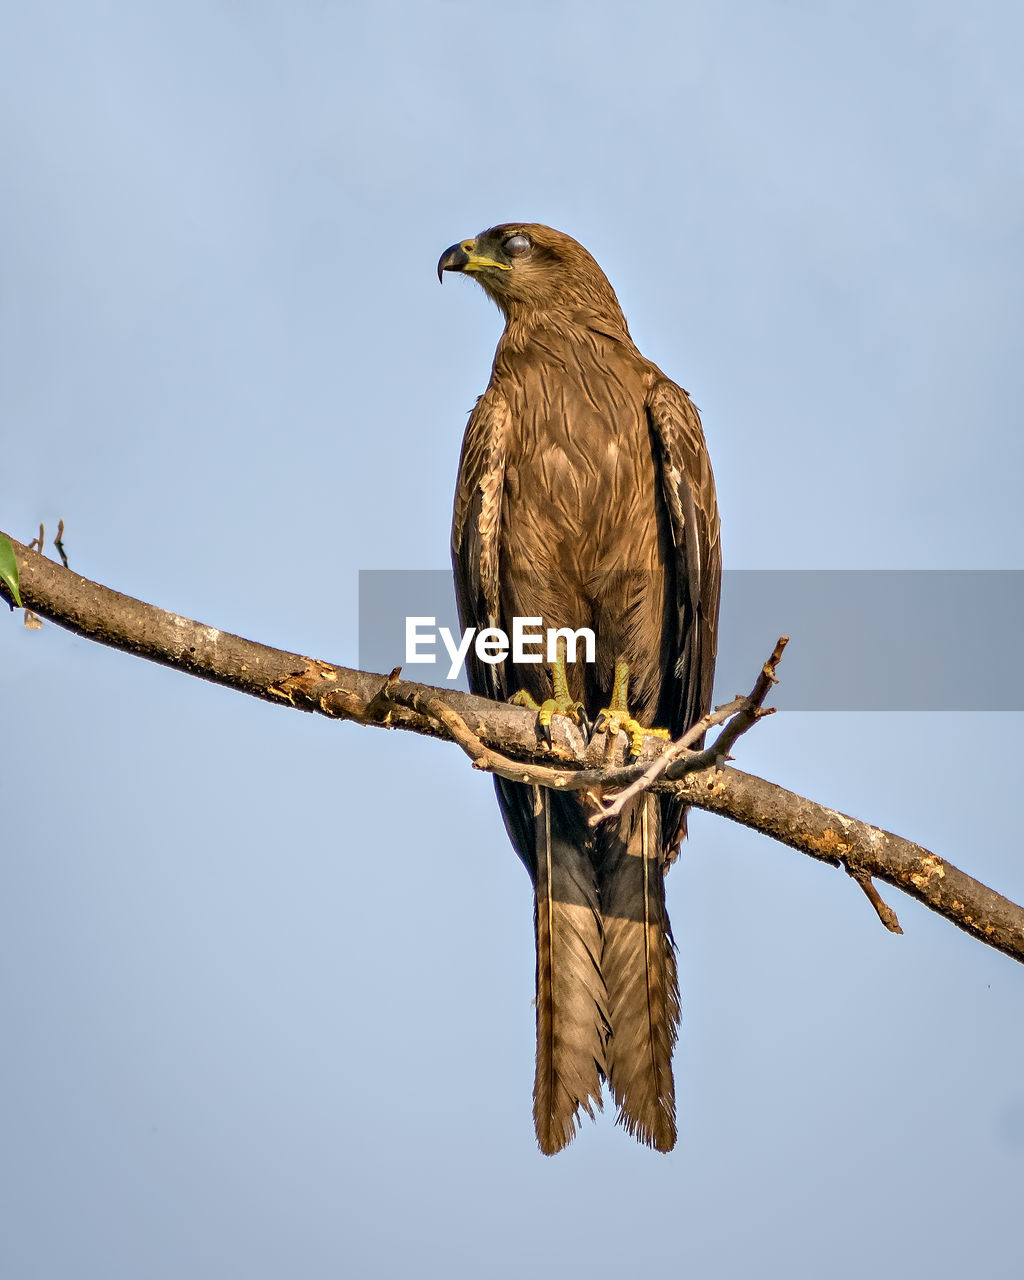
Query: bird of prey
(585, 498)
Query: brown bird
(585, 498)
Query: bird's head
(529, 269)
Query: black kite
(585, 497)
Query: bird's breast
(582, 531)
(580, 471)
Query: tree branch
(678, 759)
(502, 738)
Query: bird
(585, 498)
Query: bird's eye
(516, 246)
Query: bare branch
(741, 714)
(503, 739)
(58, 542)
(885, 913)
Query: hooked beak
(464, 257)
(453, 259)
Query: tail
(572, 1007)
(639, 967)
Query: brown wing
(476, 530)
(476, 533)
(688, 488)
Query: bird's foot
(610, 722)
(561, 703)
(556, 706)
(616, 716)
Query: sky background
(265, 980)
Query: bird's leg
(616, 715)
(560, 703)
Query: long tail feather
(639, 967)
(572, 1010)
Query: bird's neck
(523, 326)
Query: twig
(883, 910)
(569, 777)
(752, 712)
(653, 772)
(485, 757)
(58, 542)
(377, 708)
(741, 713)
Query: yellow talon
(616, 715)
(524, 699)
(562, 703)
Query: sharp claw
(600, 722)
(545, 733)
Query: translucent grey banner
(860, 640)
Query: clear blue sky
(265, 980)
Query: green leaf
(9, 569)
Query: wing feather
(476, 528)
(687, 486)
